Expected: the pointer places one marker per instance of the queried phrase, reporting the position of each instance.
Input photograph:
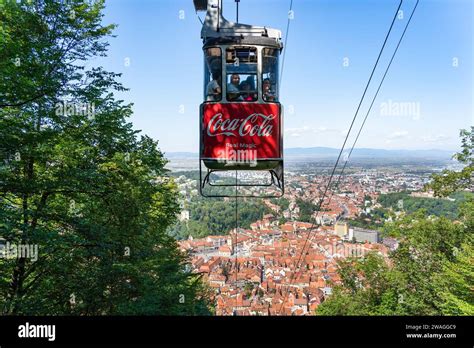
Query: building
(364, 235)
(341, 229)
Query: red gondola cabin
(241, 116)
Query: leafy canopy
(77, 181)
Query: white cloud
(297, 132)
(435, 138)
(398, 135)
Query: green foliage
(433, 206)
(425, 275)
(283, 203)
(432, 270)
(369, 288)
(448, 181)
(374, 220)
(217, 217)
(92, 195)
(455, 282)
(307, 209)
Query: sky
(426, 99)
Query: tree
(307, 208)
(369, 287)
(455, 282)
(450, 181)
(414, 281)
(217, 217)
(432, 270)
(77, 181)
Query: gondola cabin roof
(218, 30)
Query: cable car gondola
(241, 118)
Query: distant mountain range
(366, 152)
(328, 152)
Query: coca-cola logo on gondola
(254, 125)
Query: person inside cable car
(214, 88)
(233, 90)
(246, 89)
(250, 80)
(268, 95)
(249, 85)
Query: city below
(286, 261)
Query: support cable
(373, 101)
(340, 153)
(286, 40)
